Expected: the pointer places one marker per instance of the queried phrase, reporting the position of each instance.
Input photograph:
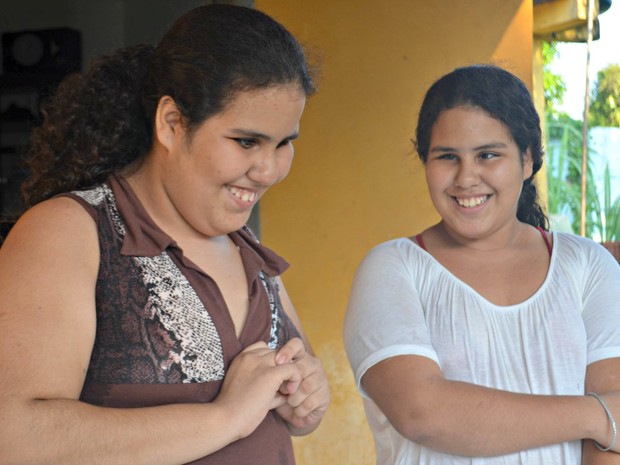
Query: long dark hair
(502, 96)
(100, 121)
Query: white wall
(605, 148)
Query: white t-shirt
(404, 302)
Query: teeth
(471, 202)
(244, 195)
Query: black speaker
(50, 51)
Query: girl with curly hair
(141, 321)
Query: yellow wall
(355, 180)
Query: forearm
(470, 420)
(593, 456)
(68, 432)
(601, 377)
(465, 419)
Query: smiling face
(211, 180)
(474, 173)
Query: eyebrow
(494, 145)
(259, 135)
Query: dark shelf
(26, 81)
(16, 124)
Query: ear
(528, 164)
(168, 122)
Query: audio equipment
(50, 51)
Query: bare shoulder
(48, 271)
(52, 247)
(51, 229)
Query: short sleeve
(385, 316)
(601, 303)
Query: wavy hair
(102, 120)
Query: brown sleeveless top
(163, 331)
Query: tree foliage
(605, 106)
(554, 86)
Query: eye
(487, 155)
(446, 156)
(246, 143)
(285, 142)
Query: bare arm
(602, 377)
(307, 403)
(465, 419)
(48, 269)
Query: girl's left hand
(308, 399)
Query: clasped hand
(290, 380)
(306, 397)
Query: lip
(243, 196)
(471, 202)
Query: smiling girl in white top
(477, 340)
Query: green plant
(564, 167)
(564, 152)
(563, 194)
(608, 214)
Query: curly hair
(91, 126)
(502, 96)
(102, 120)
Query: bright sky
(571, 60)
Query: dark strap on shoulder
(420, 241)
(546, 238)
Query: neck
(509, 236)
(146, 185)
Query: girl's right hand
(251, 386)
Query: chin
(234, 226)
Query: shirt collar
(144, 238)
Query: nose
(468, 174)
(265, 170)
